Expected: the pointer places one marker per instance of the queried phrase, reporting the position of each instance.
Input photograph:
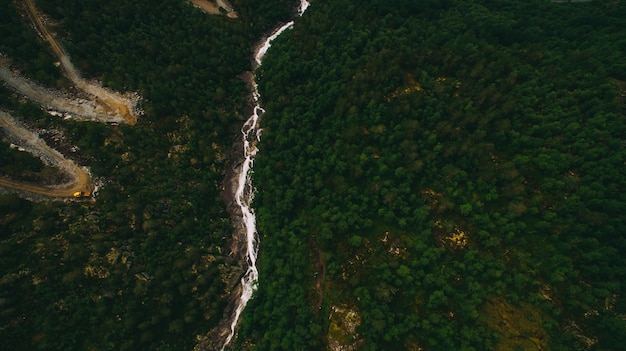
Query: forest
(432, 175)
(146, 265)
(450, 175)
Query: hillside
(431, 175)
(147, 264)
(443, 175)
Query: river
(245, 190)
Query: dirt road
(112, 102)
(80, 178)
(103, 105)
(78, 108)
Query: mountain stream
(245, 191)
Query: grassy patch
(519, 327)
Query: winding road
(112, 102)
(80, 177)
(114, 107)
(102, 105)
(79, 109)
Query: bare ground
(214, 9)
(320, 278)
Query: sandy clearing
(80, 177)
(214, 9)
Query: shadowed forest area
(432, 175)
(146, 266)
(448, 174)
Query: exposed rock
(342, 336)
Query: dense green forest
(145, 266)
(449, 175)
(432, 175)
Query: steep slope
(456, 166)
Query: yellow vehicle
(80, 194)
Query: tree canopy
(441, 169)
(436, 175)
